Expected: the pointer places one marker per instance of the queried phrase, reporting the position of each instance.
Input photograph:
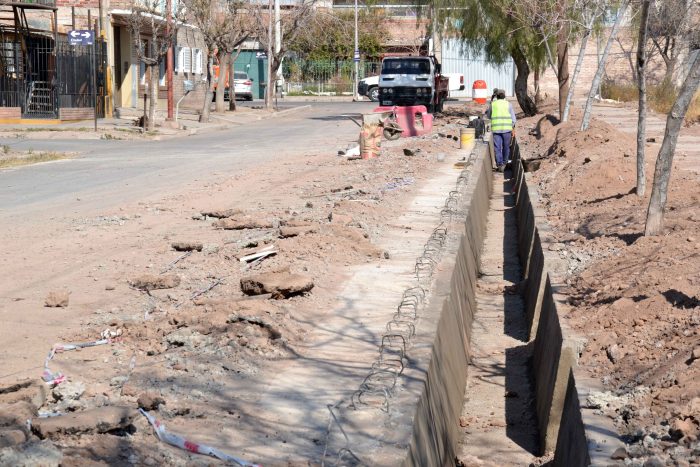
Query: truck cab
(406, 81)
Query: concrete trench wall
(554, 355)
(436, 420)
(577, 437)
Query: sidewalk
(625, 119)
(125, 127)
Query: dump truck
(408, 81)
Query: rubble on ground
(188, 352)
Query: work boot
(501, 168)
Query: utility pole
(270, 81)
(169, 59)
(356, 58)
(278, 42)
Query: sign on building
(81, 37)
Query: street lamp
(356, 58)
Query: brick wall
(10, 112)
(619, 66)
(192, 38)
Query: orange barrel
(480, 91)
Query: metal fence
(324, 77)
(41, 77)
(475, 67)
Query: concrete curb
(577, 437)
(288, 111)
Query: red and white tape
(182, 443)
(58, 377)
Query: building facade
(43, 76)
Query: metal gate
(41, 77)
(74, 82)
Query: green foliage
(492, 26)
(332, 37)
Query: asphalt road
(109, 172)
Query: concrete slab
(345, 342)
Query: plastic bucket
(466, 137)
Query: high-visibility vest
(500, 116)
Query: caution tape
(182, 443)
(57, 378)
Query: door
(117, 50)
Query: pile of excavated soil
(165, 282)
(635, 299)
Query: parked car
(369, 87)
(242, 85)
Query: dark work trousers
(501, 146)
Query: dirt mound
(636, 299)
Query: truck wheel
(440, 106)
(373, 93)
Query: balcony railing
(31, 3)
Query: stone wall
(619, 66)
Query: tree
(223, 27)
(664, 161)
(548, 23)
(147, 18)
(332, 37)
(595, 84)
(669, 22)
(232, 74)
(204, 14)
(487, 27)
(563, 56)
(237, 28)
(642, 86)
(294, 22)
(585, 13)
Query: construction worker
(502, 127)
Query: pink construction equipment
(414, 120)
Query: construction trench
(455, 354)
(475, 367)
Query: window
(197, 60)
(178, 59)
(161, 72)
(183, 60)
(142, 73)
(187, 61)
(8, 57)
(407, 66)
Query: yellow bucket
(466, 137)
